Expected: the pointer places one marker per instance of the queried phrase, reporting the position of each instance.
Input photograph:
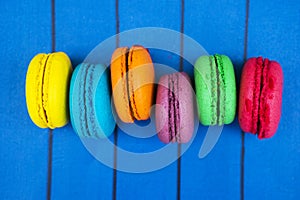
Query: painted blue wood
(219, 28)
(160, 184)
(80, 26)
(24, 31)
(272, 166)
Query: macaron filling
(130, 89)
(260, 109)
(82, 101)
(125, 83)
(218, 89)
(219, 82)
(89, 101)
(44, 92)
(174, 118)
(213, 90)
(264, 110)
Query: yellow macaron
(47, 85)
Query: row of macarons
(90, 94)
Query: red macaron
(260, 97)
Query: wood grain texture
(25, 30)
(159, 184)
(272, 166)
(80, 27)
(219, 28)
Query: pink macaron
(174, 108)
(260, 97)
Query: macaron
(215, 89)
(260, 97)
(132, 77)
(90, 101)
(47, 85)
(174, 113)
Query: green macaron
(215, 89)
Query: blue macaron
(90, 101)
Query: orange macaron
(132, 77)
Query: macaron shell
(229, 93)
(260, 97)
(56, 88)
(103, 106)
(270, 99)
(174, 108)
(140, 82)
(206, 89)
(220, 89)
(73, 98)
(186, 108)
(92, 77)
(90, 106)
(47, 84)
(78, 102)
(162, 110)
(34, 87)
(119, 84)
(249, 95)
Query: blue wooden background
(239, 167)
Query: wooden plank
(25, 31)
(219, 28)
(159, 184)
(80, 26)
(272, 166)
